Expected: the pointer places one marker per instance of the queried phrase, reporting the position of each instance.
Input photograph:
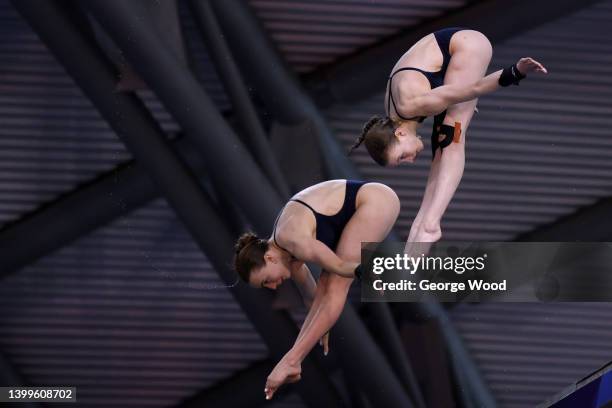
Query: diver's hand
(527, 65)
(324, 342)
(284, 372)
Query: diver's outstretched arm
(330, 303)
(308, 288)
(439, 99)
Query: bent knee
(393, 201)
(384, 197)
(478, 43)
(483, 45)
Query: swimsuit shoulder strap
(303, 203)
(407, 69)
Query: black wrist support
(510, 75)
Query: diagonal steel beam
(280, 90)
(245, 112)
(81, 211)
(382, 323)
(224, 393)
(9, 377)
(229, 164)
(591, 223)
(364, 73)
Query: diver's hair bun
(246, 239)
(249, 254)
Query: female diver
(415, 90)
(324, 224)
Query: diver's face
(271, 275)
(405, 150)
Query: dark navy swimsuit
(436, 79)
(330, 227)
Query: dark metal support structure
(429, 356)
(365, 73)
(243, 389)
(229, 164)
(79, 212)
(280, 90)
(391, 344)
(249, 122)
(364, 365)
(462, 364)
(592, 223)
(10, 378)
(90, 69)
